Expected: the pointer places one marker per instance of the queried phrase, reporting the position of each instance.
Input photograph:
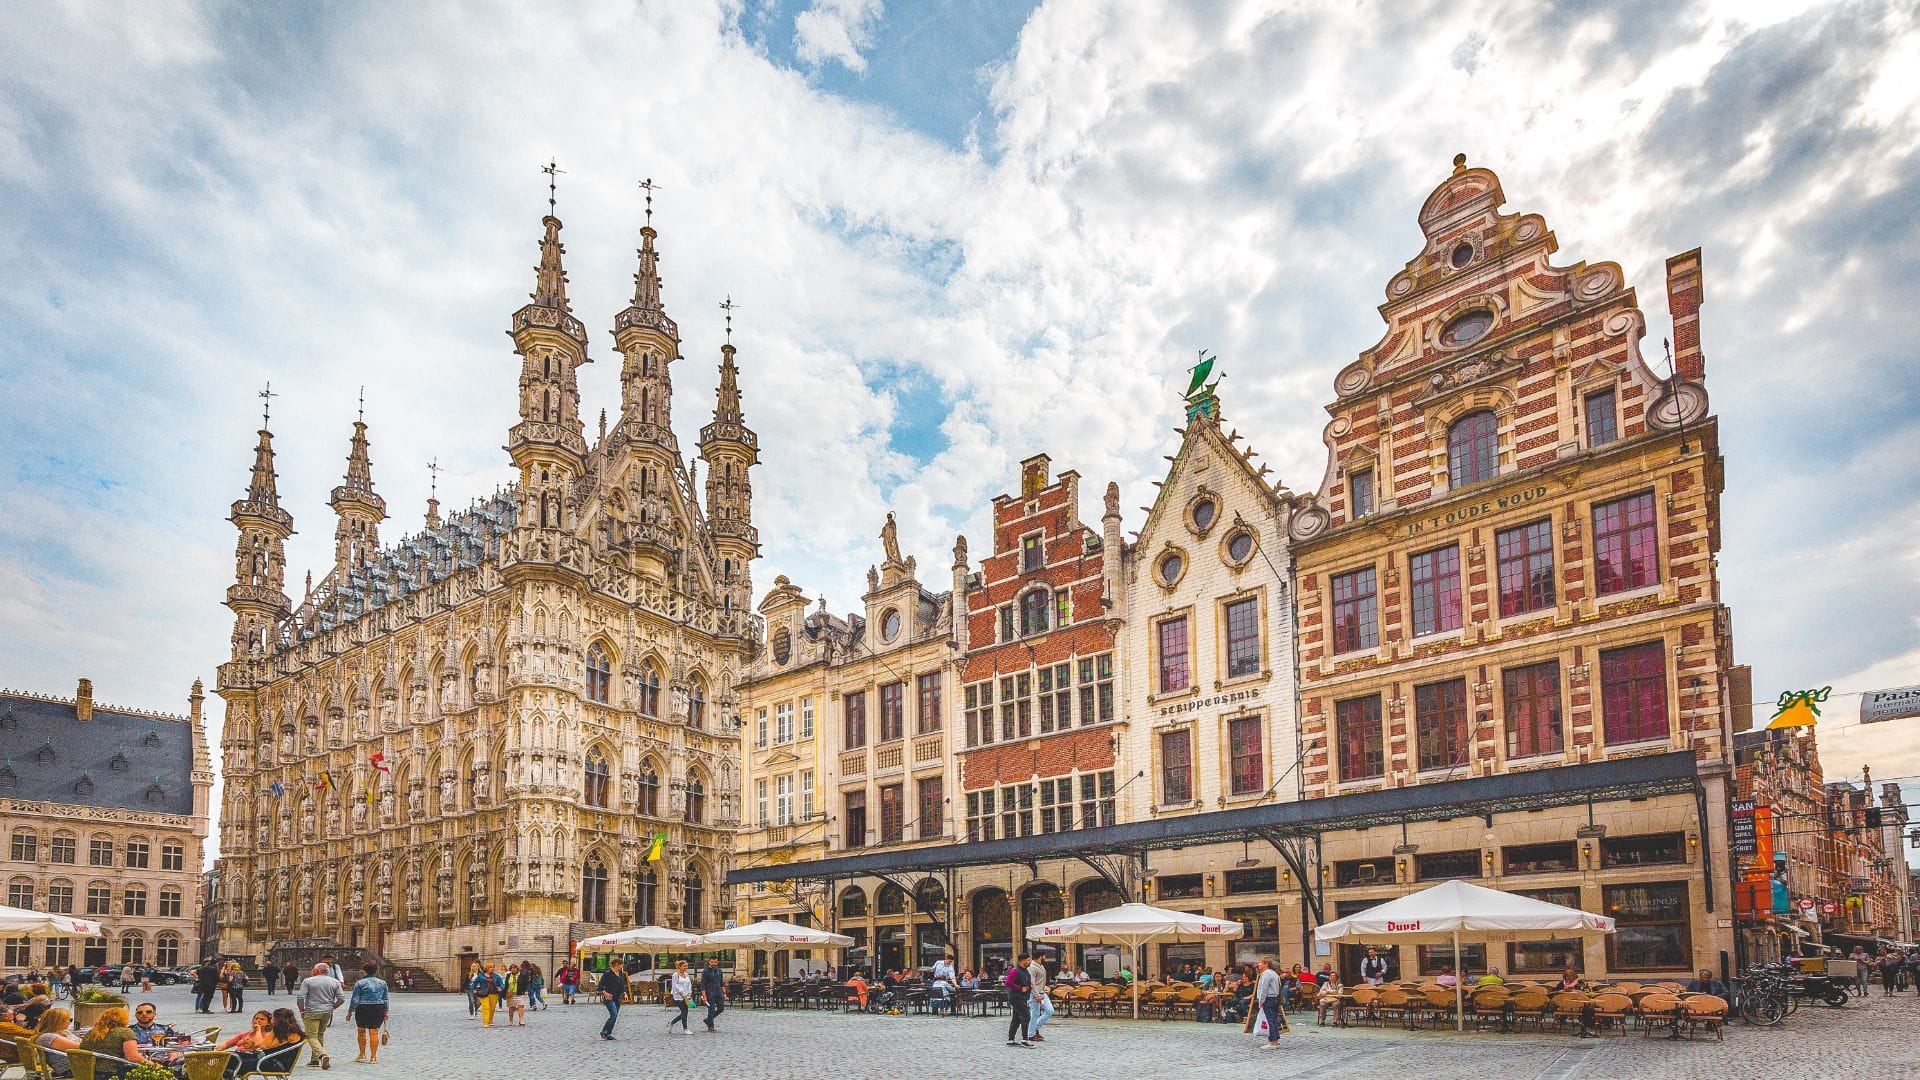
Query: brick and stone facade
(1510, 565)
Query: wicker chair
(1395, 1003)
(1705, 1010)
(1658, 1010)
(1364, 1000)
(28, 1063)
(208, 1064)
(1569, 1006)
(1613, 1008)
(1530, 1007)
(1488, 1003)
(1079, 1002)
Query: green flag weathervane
(1200, 397)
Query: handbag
(385, 1037)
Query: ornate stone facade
(465, 743)
(106, 811)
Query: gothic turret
(257, 595)
(730, 448)
(356, 538)
(648, 342)
(548, 444)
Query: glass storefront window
(1263, 933)
(1547, 957)
(1651, 927)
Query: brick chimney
(83, 701)
(1685, 293)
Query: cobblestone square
(433, 1037)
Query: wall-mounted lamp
(1286, 876)
(1487, 857)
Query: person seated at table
(148, 1031)
(1569, 981)
(968, 981)
(1707, 984)
(1330, 1000)
(55, 1032)
(1125, 977)
(111, 1036)
(12, 1029)
(281, 1030)
(257, 1037)
(940, 995)
(1447, 980)
(858, 986)
(1491, 978)
(1204, 980)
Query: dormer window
(45, 756)
(119, 762)
(152, 741)
(83, 786)
(1031, 555)
(155, 793)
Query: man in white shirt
(1041, 1007)
(1266, 994)
(943, 968)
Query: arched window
(166, 950)
(1041, 902)
(134, 900)
(599, 673)
(649, 690)
(1033, 612)
(696, 900)
(853, 902)
(892, 900)
(646, 890)
(649, 790)
(133, 948)
(697, 704)
(593, 891)
(597, 779)
(930, 894)
(696, 800)
(1473, 448)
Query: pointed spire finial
(553, 171)
(649, 187)
(433, 478)
(727, 306)
(363, 404)
(266, 405)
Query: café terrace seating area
(1602, 1008)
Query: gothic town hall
(405, 747)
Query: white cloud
(836, 31)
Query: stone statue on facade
(890, 539)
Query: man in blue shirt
(146, 1030)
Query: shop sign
(1227, 698)
(1881, 705)
(1829, 908)
(1746, 840)
(1480, 509)
(1807, 903)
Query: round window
(1467, 328)
(782, 647)
(1240, 547)
(890, 624)
(1462, 254)
(1171, 564)
(1203, 513)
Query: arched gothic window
(593, 891)
(645, 895)
(697, 704)
(597, 779)
(649, 690)
(1473, 448)
(696, 800)
(599, 673)
(649, 791)
(853, 902)
(696, 900)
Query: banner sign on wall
(1880, 705)
(1746, 840)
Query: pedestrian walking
(1889, 972)
(613, 988)
(569, 979)
(680, 992)
(486, 988)
(224, 982)
(713, 990)
(468, 983)
(333, 969)
(516, 988)
(206, 978)
(1019, 987)
(236, 989)
(269, 974)
(318, 997)
(536, 985)
(1266, 992)
(368, 1007)
(1040, 1007)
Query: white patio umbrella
(24, 923)
(1453, 911)
(1135, 925)
(774, 935)
(648, 938)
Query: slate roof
(117, 760)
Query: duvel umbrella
(1132, 926)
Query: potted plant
(89, 1004)
(148, 1072)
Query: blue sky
(959, 233)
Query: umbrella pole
(1136, 979)
(1459, 995)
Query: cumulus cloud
(211, 199)
(836, 31)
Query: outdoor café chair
(1613, 1008)
(79, 1063)
(1705, 1010)
(1183, 1001)
(1570, 1007)
(1079, 1002)
(1529, 1006)
(1364, 1000)
(1394, 1003)
(1658, 1010)
(208, 1064)
(208, 1034)
(279, 1061)
(1437, 1006)
(1489, 1003)
(1627, 988)
(28, 1063)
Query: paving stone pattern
(433, 1038)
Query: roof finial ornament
(433, 478)
(1459, 162)
(649, 187)
(266, 406)
(727, 306)
(363, 405)
(553, 171)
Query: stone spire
(357, 535)
(648, 341)
(730, 448)
(548, 444)
(256, 596)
